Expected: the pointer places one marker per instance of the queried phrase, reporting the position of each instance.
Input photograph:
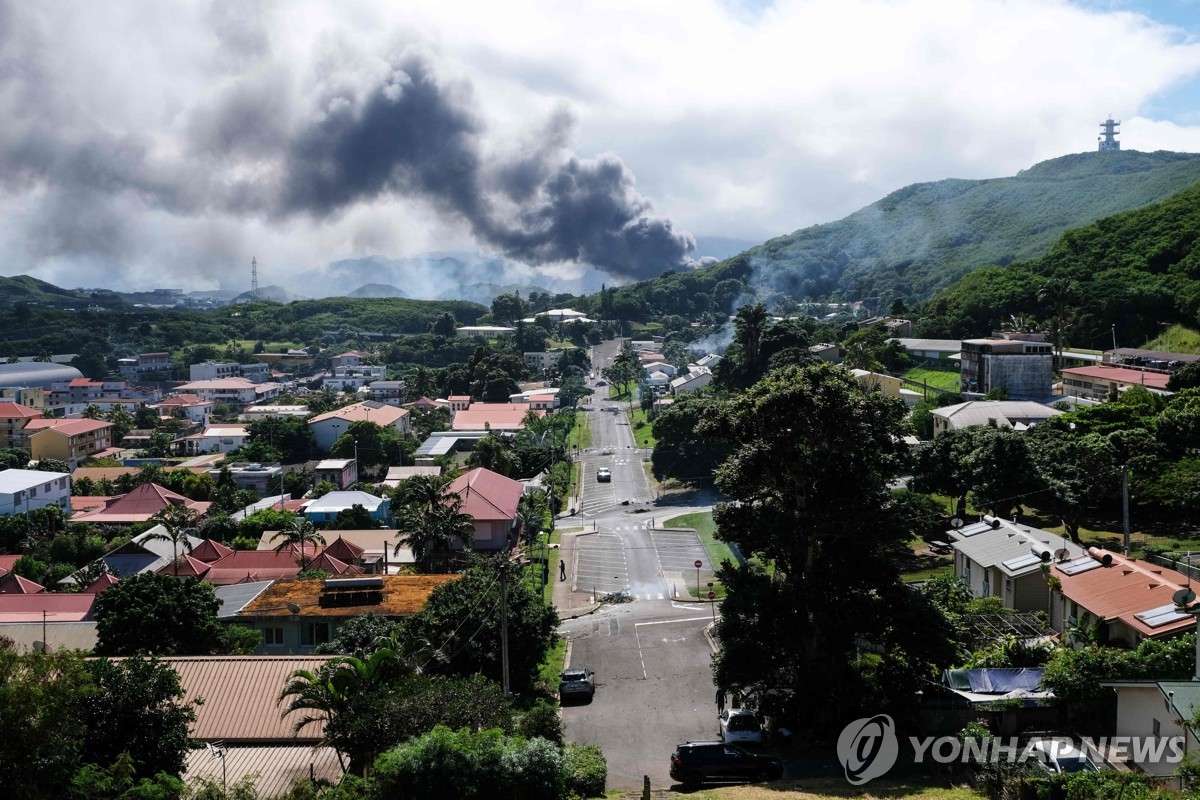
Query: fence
(1191, 570)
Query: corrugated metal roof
(59, 635)
(235, 597)
(402, 595)
(274, 768)
(1008, 545)
(240, 697)
(1124, 589)
(487, 495)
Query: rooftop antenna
(254, 277)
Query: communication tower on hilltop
(1108, 142)
(254, 277)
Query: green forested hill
(1139, 271)
(923, 237)
(24, 289)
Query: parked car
(694, 763)
(577, 683)
(1058, 756)
(740, 725)
(603, 475)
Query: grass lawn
(936, 378)
(645, 434)
(615, 393)
(824, 789)
(551, 668)
(576, 475)
(1175, 339)
(581, 435)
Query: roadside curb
(580, 612)
(708, 634)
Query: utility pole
(1125, 505)
(504, 629)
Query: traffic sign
(699, 563)
(712, 595)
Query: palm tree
(532, 508)
(748, 328)
(430, 518)
(178, 522)
(1059, 294)
(301, 533)
(334, 689)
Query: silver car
(577, 683)
(740, 725)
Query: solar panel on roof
(1021, 562)
(974, 528)
(1078, 565)
(1163, 615)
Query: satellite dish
(956, 523)
(1062, 554)
(1183, 597)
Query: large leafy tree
(374, 445)
(287, 439)
(812, 453)
(473, 646)
(157, 615)
(680, 450)
(1079, 472)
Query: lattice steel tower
(1108, 142)
(254, 277)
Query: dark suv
(694, 763)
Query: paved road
(651, 657)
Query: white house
(25, 490)
(657, 379)
(693, 381)
(1016, 414)
(486, 331)
(353, 378)
(238, 391)
(1153, 714)
(670, 370)
(327, 427)
(217, 438)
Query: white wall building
(24, 490)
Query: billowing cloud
(146, 144)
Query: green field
(581, 435)
(1175, 339)
(936, 378)
(645, 434)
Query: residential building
(893, 326)
(219, 437)
(888, 384)
(490, 499)
(50, 637)
(28, 396)
(693, 381)
(544, 402)
(351, 358)
(13, 418)
(247, 566)
(25, 490)
(145, 366)
(390, 392)
(1155, 715)
(931, 349)
(657, 380)
(542, 360)
(217, 370)
(537, 391)
(997, 558)
(1022, 367)
(261, 478)
(259, 743)
(145, 552)
(1019, 415)
(140, 505)
(70, 440)
(325, 605)
(378, 551)
(326, 508)
(492, 416)
(328, 427)
(397, 475)
(1131, 600)
(191, 407)
(486, 331)
(708, 361)
(670, 370)
(46, 608)
(1159, 360)
(232, 391)
(1099, 382)
(251, 413)
(427, 404)
(351, 379)
(34, 375)
(828, 352)
(341, 472)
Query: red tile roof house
(1133, 599)
(493, 416)
(246, 566)
(491, 501)
(71, 440)
(139, 506)
(13, 418)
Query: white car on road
(740, 725)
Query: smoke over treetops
(289, 147)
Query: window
(1157, 728)
(272, 636)
(314, 633)
(32, 492)
(1008, 586)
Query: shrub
(542, 720)
(585, 770)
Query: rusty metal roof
(401, 595)
(274, 768)
(239, 697)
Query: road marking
(670, 621)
